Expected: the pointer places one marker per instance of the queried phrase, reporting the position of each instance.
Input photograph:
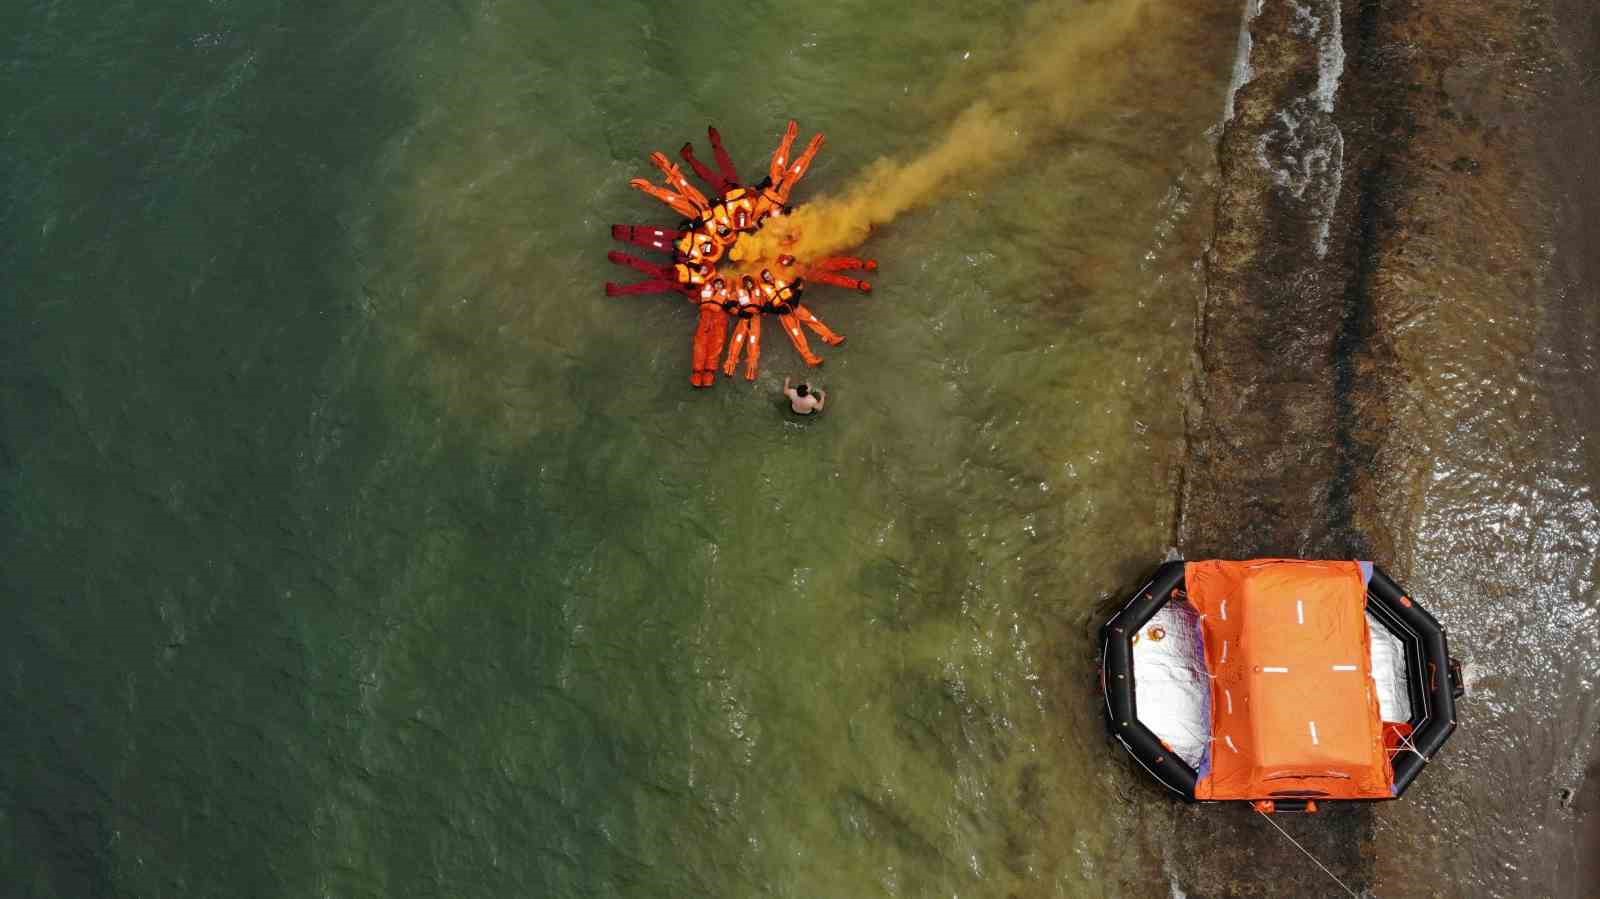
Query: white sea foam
(1241, 59)
(1302, 148)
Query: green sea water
(355, 544)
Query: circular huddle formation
(712, 227)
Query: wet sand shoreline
(1451, 149)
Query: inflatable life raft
(1279, 682)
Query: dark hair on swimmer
(803, 389)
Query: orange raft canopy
(1277, 681)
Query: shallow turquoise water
(357, 545)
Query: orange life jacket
(693, 275)
(741, 209)
(717, 215)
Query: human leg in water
(724, 161)
(655, 285)
(718, 182)
(843, 263)
(719, 342)
(658, 272)
(755, 349)
(679, 203)
(798, 168)
(741, 334)
(811, 321)
(791, 327)
(838, 280)
(677, 181)
(780, 156)
(709, 338)
(648, 236)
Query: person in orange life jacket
(711, 334)
(718, 223)
(804, 315)
(693, 275)
(766, 208)
(804, 399)
(779, 298)
(648, 236)
(696, 248)
(747, 332)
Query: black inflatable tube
(1116, 677)
(1428, 659)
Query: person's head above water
(766, 275)
(748, 282)
(719, 284)
(803, 389)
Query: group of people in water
(710, 229)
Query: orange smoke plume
(1066, 68)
